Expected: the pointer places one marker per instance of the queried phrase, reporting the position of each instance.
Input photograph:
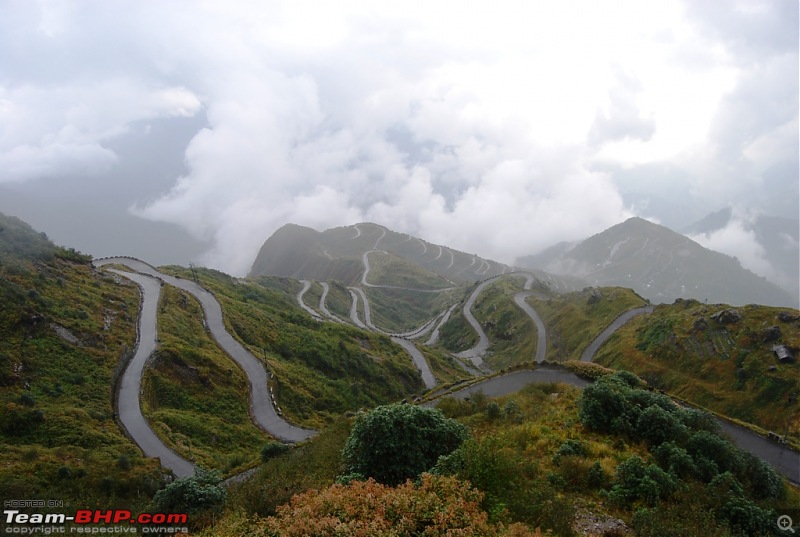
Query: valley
(275, 358)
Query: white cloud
(480, 125)
(738, 239)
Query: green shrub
(636, 481)
(596, 477)
(656, 425)
(199, 492)
(493, 411)
(393, 443)
(273, 449)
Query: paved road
(300, 294)
(323, 307)
(475, 354)
(443, 319)
(541, 341)
(588, 353)
(129, 401)
(261, 409)
(419, 360)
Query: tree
(396, 442)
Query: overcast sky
(495, 127)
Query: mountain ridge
(660, 264)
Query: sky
(191, 130)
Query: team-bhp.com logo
(93, 521)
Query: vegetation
(66, 332)
(202, 491)
(511, 332)
(397, 442)
(320, 370)
(573, 320)
(456, 334)
(438, 506)
(194, 396)
(728, 368)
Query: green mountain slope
(729, 368)
(538, 459)
(65, 332)
(321, 370)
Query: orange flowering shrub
(439, 506)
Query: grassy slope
(321, 369)
(512, 334)
(573, 320)
(515, 454)
(723, 368)
(402, 310)
(58, 436)
(195, 396)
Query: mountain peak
(660, 265)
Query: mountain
(778, 237)
(659, 264)
(338, 254)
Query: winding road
(150, 280)
(476, 353)
(541, 340)
(262, 411)
(129, 402)
(588, 353)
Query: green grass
(742, 380)
(321, 369)
(456, 334)
(400, 310)
(389, 269)
(573, 320)
(65, 332)
(195, 396)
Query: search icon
(785, 523)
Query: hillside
(336, 254)
(536, 457)
(726, 365)
(660, 265)
(65, 331)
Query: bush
(675, 460)
(636, 481)
(762, 480)
(439, 506)
(273, 449)
(396, 442)
(570, 448)
(656, 425)
(191, 494)
(604, 406)
(493, 411)
(724, 455)
(596, 477)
